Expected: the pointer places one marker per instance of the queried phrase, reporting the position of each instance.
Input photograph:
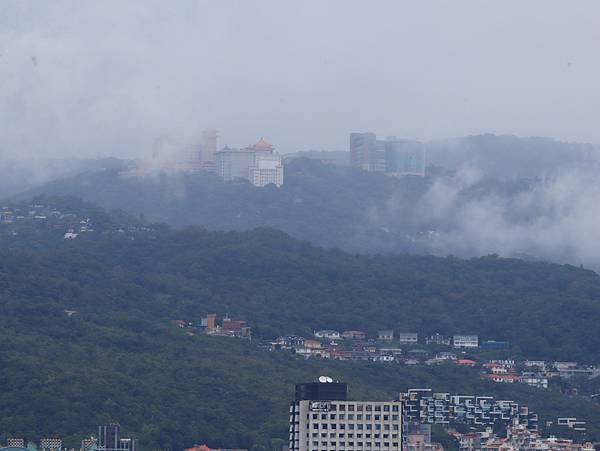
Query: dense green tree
(119, 358)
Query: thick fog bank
(554, 218)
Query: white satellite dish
(330, 380)
(323, 379)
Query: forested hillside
(467, 213)
(326, 205)
(118, 357)
(283, 286)
(314, 196)
(65, 375)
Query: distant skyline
(113, 78)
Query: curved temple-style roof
(262, 144)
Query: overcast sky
(111, 77)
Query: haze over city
(299, 225)
(112, 77)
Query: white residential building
(572, 423)
(385, 335)
(535, 363)
(535, 381)
(330, 334)
(465, 341)
(408, 338)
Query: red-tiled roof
(465, 362)
(262, 144)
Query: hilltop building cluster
(355, 346)
(16, 213)
(258, 164)
(323, 418)
(426, 406)
(210, 325)
(516, 438)
(384, 347)
(536, 373)
(403, 348)
(229, 327)
(63, 221)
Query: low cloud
(554, 218)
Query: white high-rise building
(234, 163)
(267, 169)
(322, 419)
(257, 164)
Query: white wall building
(465, 341)
(408, 338)
(267, 169)
(258, 164)
(330, 334)
(234, 163)
(385, 335)
(345, 425)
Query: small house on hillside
(354, 335)
(329, 334)
(408, 338)
(385, 335)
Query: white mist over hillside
(556, 219)
(142, 78)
